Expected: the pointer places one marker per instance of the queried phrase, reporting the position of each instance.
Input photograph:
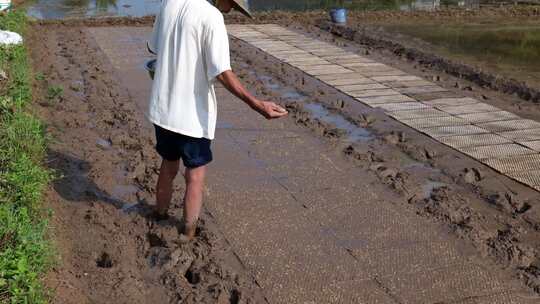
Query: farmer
(192, 47)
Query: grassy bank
(24, 251)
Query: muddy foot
(188, 233)
(158, 216)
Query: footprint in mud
(431, 187)
(155, 240)
(471, 175)
(192, 277)
(235, 297)
(394, 137)
(104, 261)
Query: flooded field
(57, 9)
(509, 50)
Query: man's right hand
(267, 109)
(271, 110)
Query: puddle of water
(293, 95)
(130, 207)
(123, 191)
(354, 133)
(509, 49)
(268, 82)
(408, 162)
(430, 186)
(418, 166)
(59, 9)
(121, 172)
(103, 143)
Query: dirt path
(110, 252)
(307, 216)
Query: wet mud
(113, 252)
(110, 249)
(498, 215)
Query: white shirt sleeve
(154, 39)
(216, 50)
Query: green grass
(24, 250)
(54, 93)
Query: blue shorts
(194, 152)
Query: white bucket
(5, 4)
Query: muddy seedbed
(499, 216)
(110, 249)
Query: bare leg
(164, 191)
(193, 199)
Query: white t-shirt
(192, 47)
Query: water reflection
(352, 132)
(58, 9)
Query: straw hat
(242, 6)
